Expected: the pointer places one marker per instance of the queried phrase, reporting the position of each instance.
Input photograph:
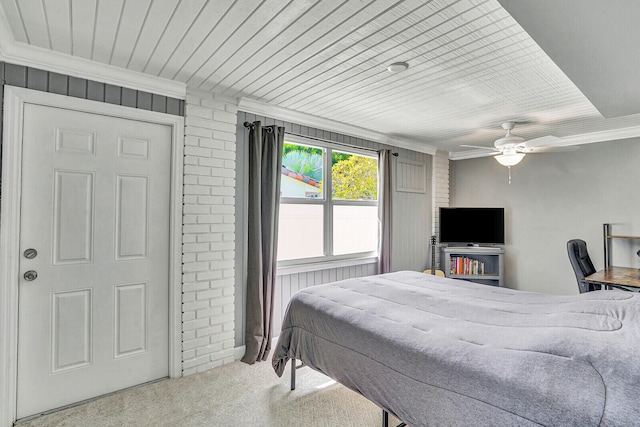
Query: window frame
(328, 203)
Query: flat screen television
(481, 226)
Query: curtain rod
(250, 125)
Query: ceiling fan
(512, 148)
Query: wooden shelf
(492, 258)
(608, 238)
(475, 276)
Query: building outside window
(328, 203)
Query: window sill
(324, 265)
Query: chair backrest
(581, 263)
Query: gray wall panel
(95, 91)
(412, 220)
(37, 79)
(129, 98)
(144, 100)
(112, 94)
(289, 284)
(77, 87)
(47, 81)
(15, 75)
(58, 83)
(159, 103)
(173, 106)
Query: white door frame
(14, 100)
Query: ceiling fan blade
(483, 148)
(560, 149)
(542, 141)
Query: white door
(95, 207)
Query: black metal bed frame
(294, 367)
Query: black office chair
(581, 264)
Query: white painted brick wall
(208, 232)
(440, 191)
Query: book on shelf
(461, 265)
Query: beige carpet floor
(232, 395)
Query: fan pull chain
(509, 167)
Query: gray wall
(555, 197)
(411, 224)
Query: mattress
(438, 351)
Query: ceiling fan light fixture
(398, 67)
(509, 159)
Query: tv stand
(479, 264)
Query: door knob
(30, 275)
(30, 253)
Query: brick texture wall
(440, 191)
(208, 277)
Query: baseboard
(238, 352)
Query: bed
(438, 351)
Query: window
(328, 203)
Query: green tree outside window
(355, 178)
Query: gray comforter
(437, 351)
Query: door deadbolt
(30, 275)
(30, 253)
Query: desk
(616, 276)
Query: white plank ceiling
(472, 66)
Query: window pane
(355, 229)
(354, 177)
(301, 174)
(300, 231)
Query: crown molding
(36, 57)
(26, 55)
(601, 136)
(262, 108)
(211, 95)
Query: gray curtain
(384, 211)
(265, 162)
